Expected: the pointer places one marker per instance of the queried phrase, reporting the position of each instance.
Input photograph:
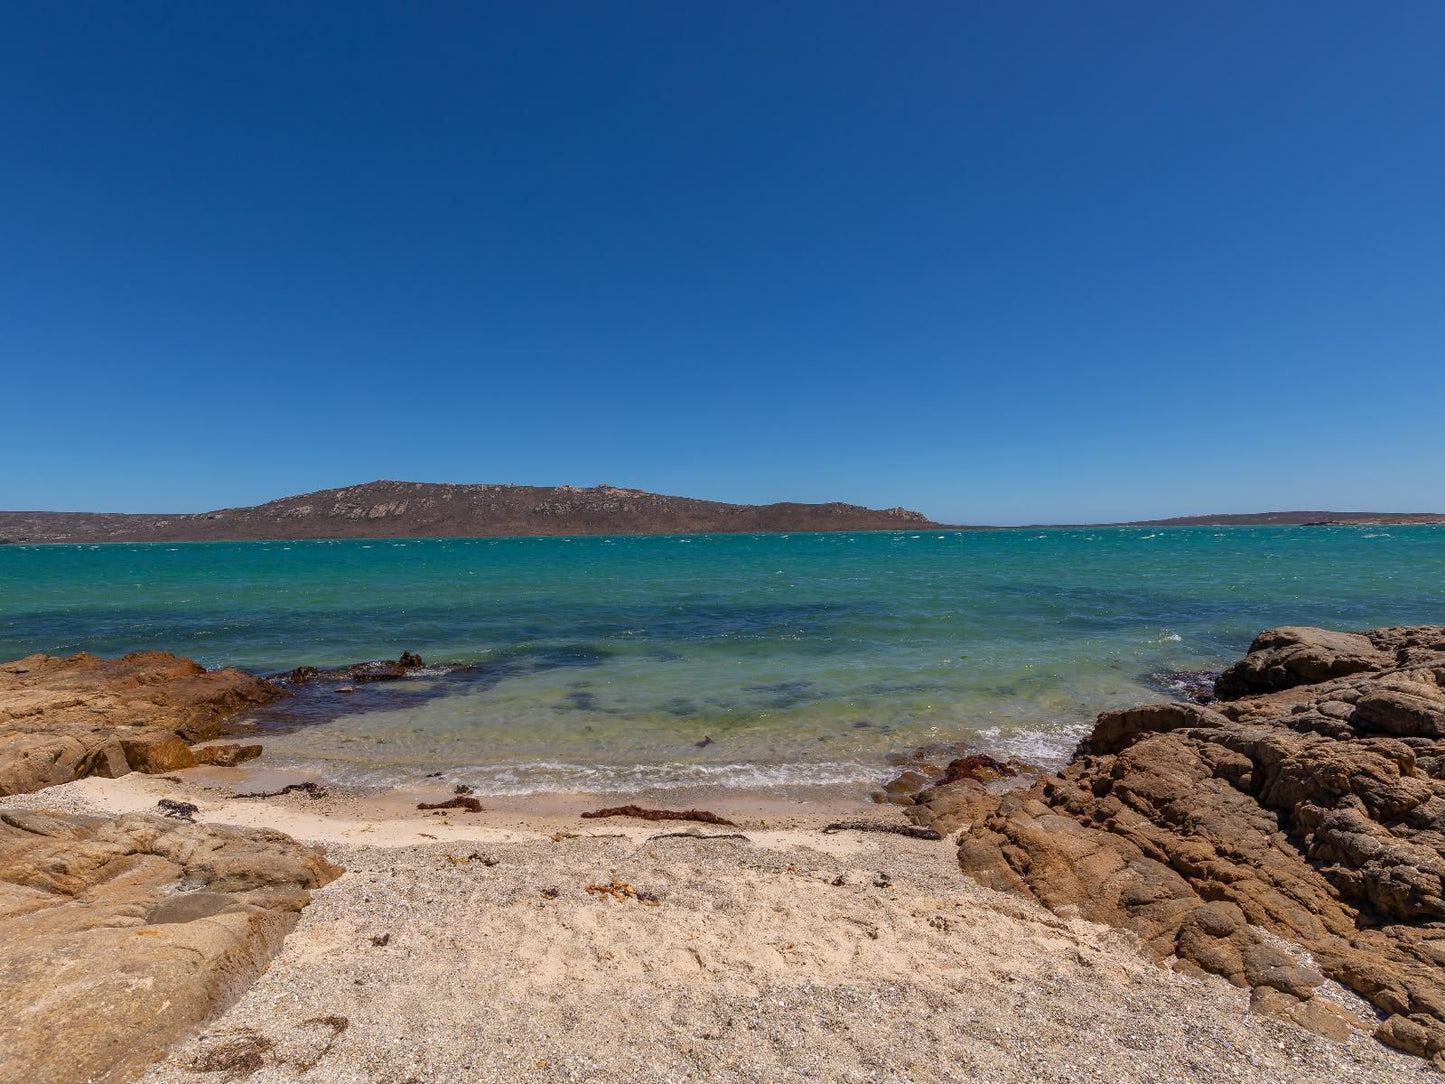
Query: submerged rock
(1308, 802)
(360, 672)
(65, 718)
(119, 936)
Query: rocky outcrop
(1308, 803)
(65, 718)
(121, 935)
(1285, 657)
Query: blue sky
(1001, 263)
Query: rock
(1321, 1017)
(1116, 729)
(119, 936)
(359, 672)
(62, 719)
(978, 766)
(1315, 812)
(1412, 1035)
(157, 754)
(1408, 714)
(946, 797)
(1195, 686)
(1284, 657)
(226, 756)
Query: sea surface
(629, 663)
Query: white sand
(755, 965)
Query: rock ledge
(1309, 801)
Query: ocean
(630, 663)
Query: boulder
(118, 936)
(1295, 655)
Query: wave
(561, 777)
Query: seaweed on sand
(660, 814)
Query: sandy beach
(537, 945)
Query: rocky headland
(1303, 809)
(388, 509)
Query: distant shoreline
(422, 510)
(1430, 520)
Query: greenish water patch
(800, 656)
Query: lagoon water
(602, 663)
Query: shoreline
(509, 947)
(390, 818)
(1240, 889)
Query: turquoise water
(810, 657)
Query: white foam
(1044, 747)
(561, 777)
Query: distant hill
(387, 509)
(1290, 519)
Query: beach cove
(633, 664)
(1238, 882)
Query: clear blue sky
(998, 262)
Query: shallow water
(602, 662)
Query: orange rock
(65, 718)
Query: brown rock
(157, 754)
(1321, 1017)
(1116, 729)
(1314, 812)
(1284, 657)
(226, 756)
(62, 719)
(118, 936)
(1408, 714)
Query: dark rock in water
(360, 672)
(1196, 686)
(1308, 802)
